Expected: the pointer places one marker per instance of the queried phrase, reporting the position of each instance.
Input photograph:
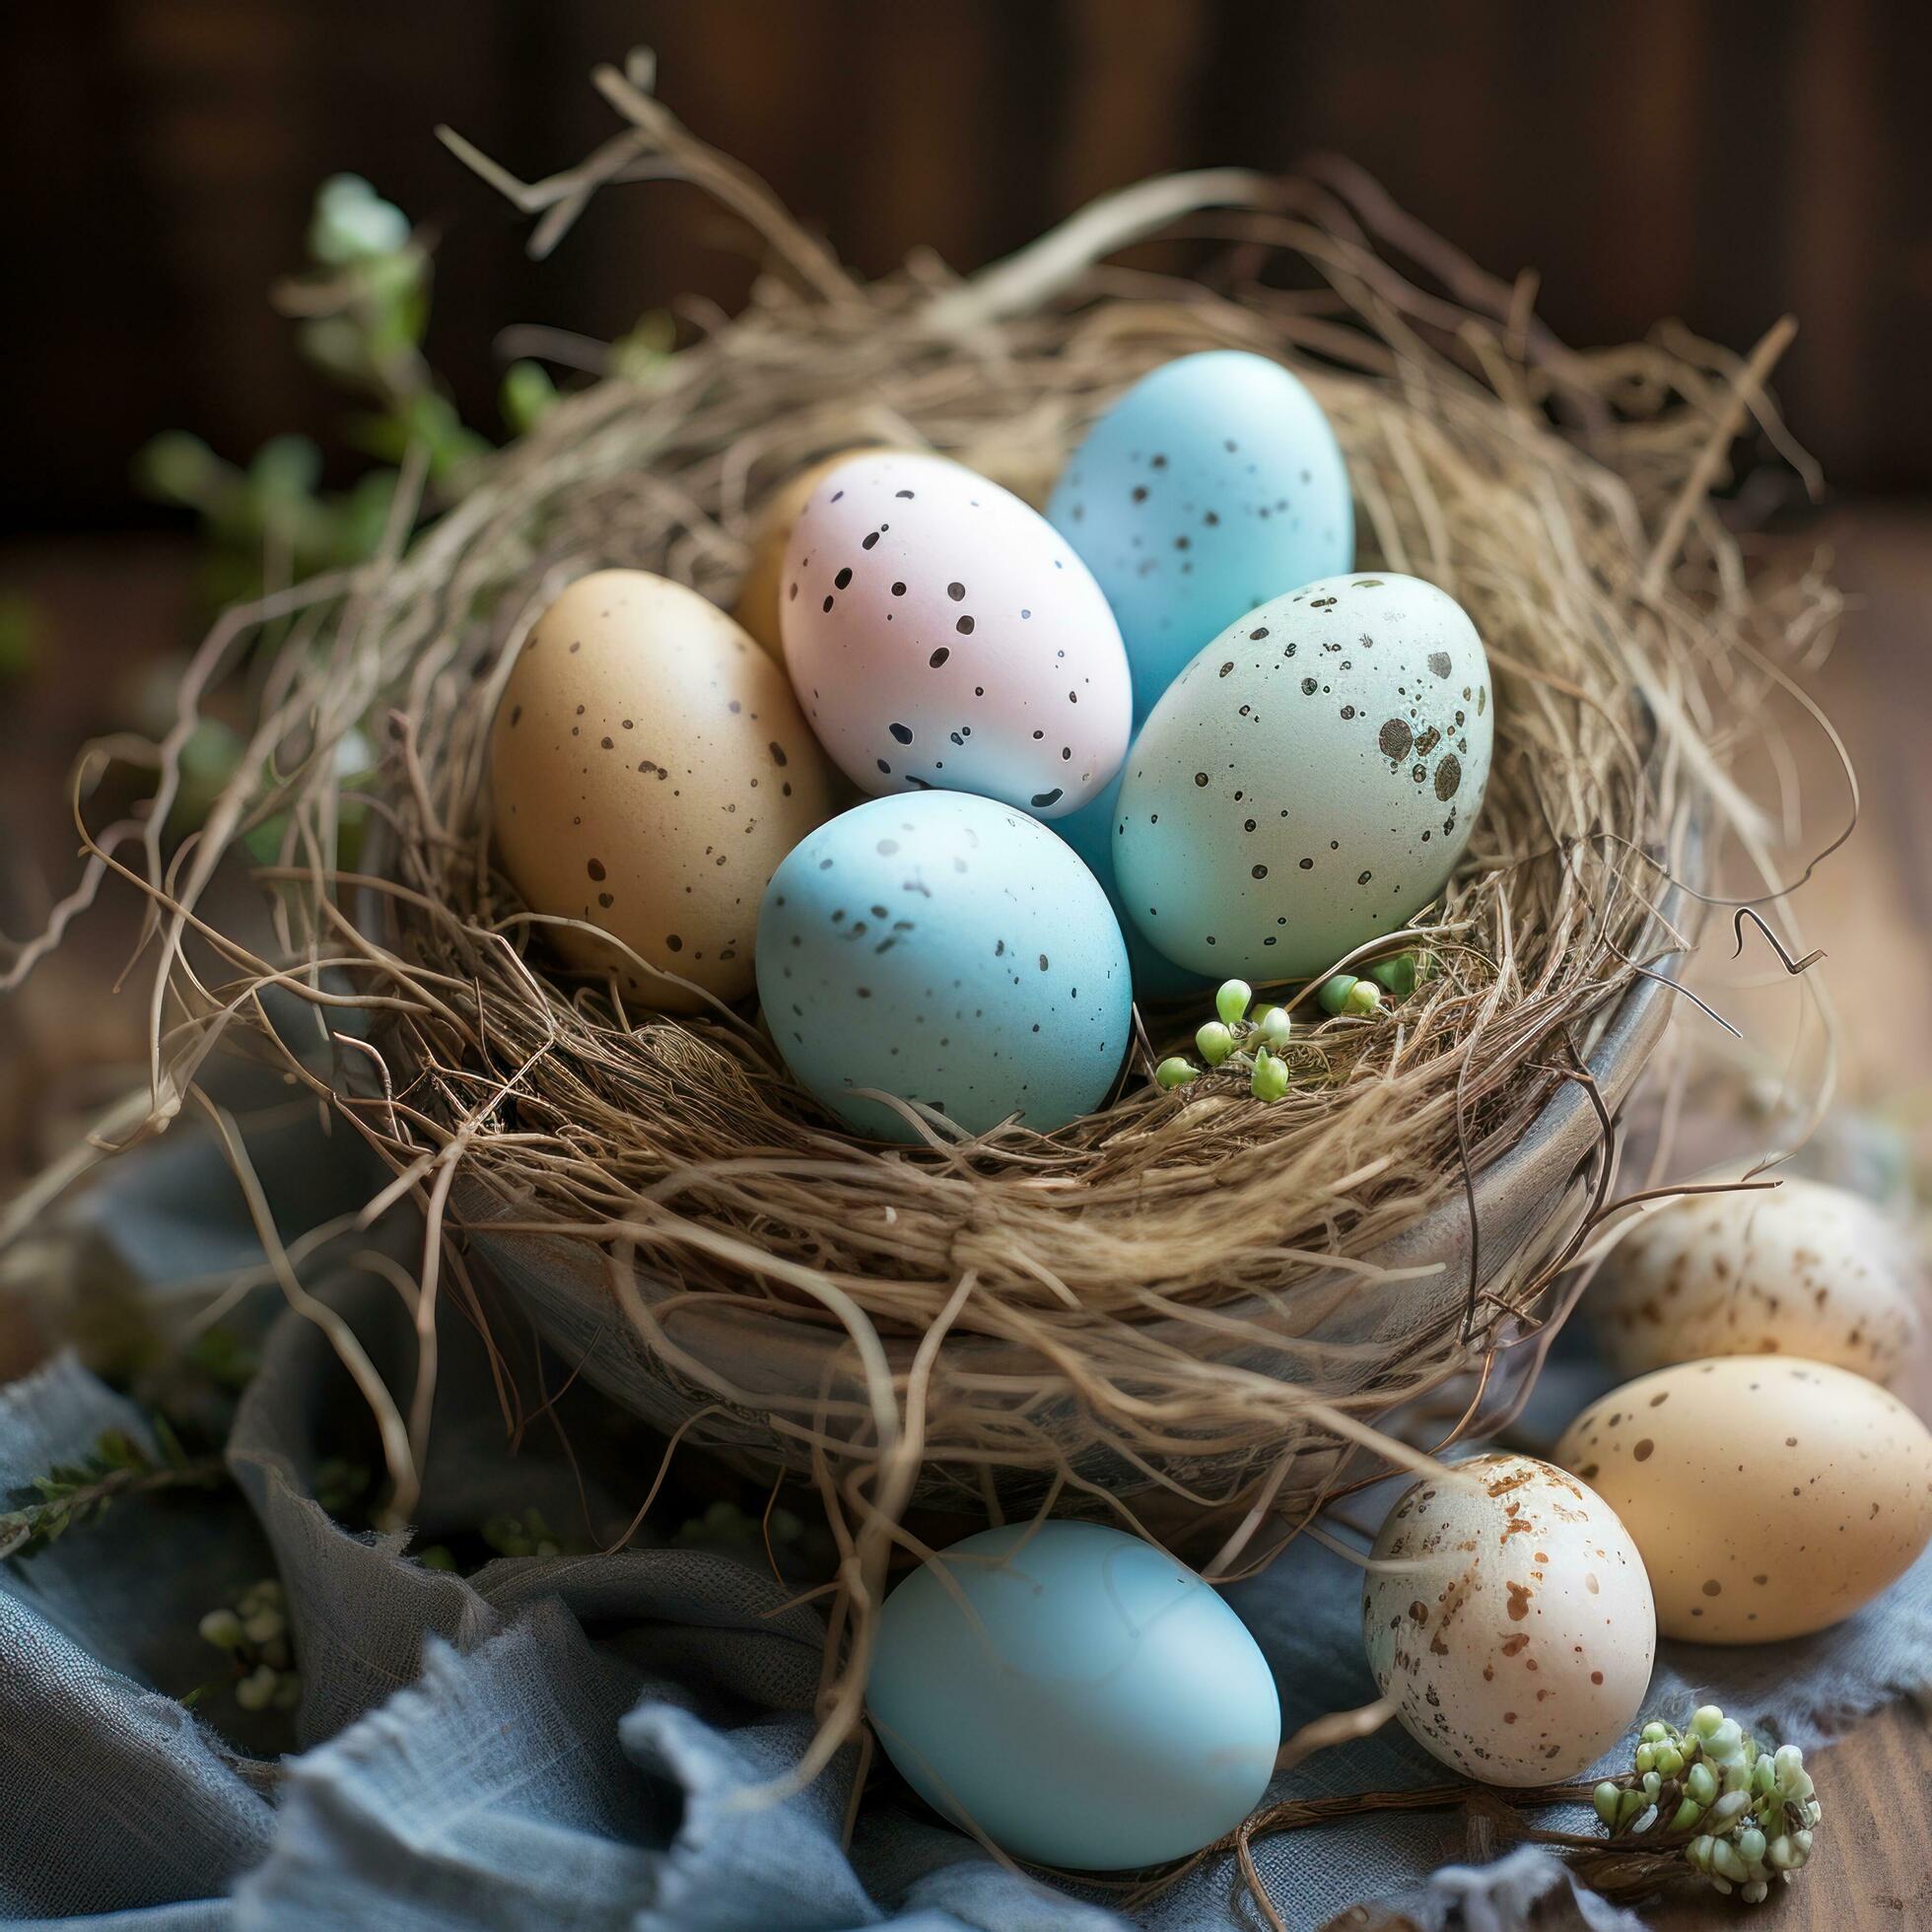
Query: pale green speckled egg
(1309, 781)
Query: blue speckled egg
(1210, 486)
(1090, 832)
(1309, 782)
(946, 949)
(1100, 1708)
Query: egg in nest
(648, 771)
(1309, 782)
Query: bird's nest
(1072, 1318)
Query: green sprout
(1739, 1814)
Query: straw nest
(1120, 1272)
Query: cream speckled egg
(1802, 1268)
(942, 635)
(648, 769)
(763, 588)
(1309, 781)
(1507, 1613)
(1770, 1498)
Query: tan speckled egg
(649, 769)
(1770, 1498)
(1507, 1613)
(1802, 1268)
(757, 607)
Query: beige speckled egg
(649, 770)
(1802, 1268)
(757, 607)
(1507, 1613)
(1770, 1498)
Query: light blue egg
(1090, 832)
(1210, 486)
(1101, 1707)
(947, 949)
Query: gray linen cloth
(559, 1740)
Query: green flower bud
(1175, 1073)
(1271, 1078)
(1728, 1808)
(288, 1692)
(222, 1628)
(1737, 1775)
(263, 1626)
(1272, 1028)
(1697, 1852)
(1705, 1719)
(1668, 1760)
(1646, 1758)
(1803, 1840)
(1654, 1732)
(1231, 1002)
(1399, 974)
(1686, 1815)
(1652, 1785)
(1726, 1743)
(1755, 1893)
(1701, 1783)
(1724, 1858)
(1605, 1799)
(352, 223)
(1750, 1845)
(1763, 1777)
(1345, 994)
(1630, 1806)
(256, 1689)
(1213, 1041)
(1781, 1855)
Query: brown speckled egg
(649, 769)
(1802, 1268)
(757, 607)
(1507, 1613)
(1770, 1498)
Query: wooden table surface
(109, 606)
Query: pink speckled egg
(1508, 1614)
(942, 635)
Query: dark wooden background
(1721, 161)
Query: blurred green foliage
(362, 309)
